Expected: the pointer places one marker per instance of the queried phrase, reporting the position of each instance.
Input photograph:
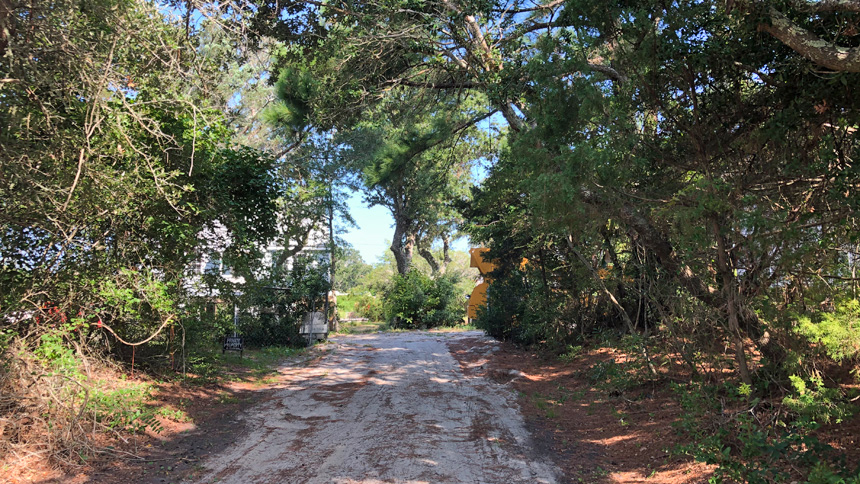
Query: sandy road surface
(383, 408)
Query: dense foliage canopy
(659, 150)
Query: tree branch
(810, 45)
(291, 147)
(435, 85)
(428, 256)
(330, 7)
(608, 72)
(658, 243)
(547, 6)
(75, 183)
(829, 5)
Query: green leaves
(414, 300)
(244, 190)
(297, 90)
(118, 150)
(838, 332)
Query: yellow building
(479, 293)
(485, 267)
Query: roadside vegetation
(131, 142)
(418, 299)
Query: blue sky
(375, 224)
(375, 229)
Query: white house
(217, 239)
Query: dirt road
(384, 408)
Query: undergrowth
(56, 399)
(760, 441)
(208, 367)
(62, 402)
(764, 436)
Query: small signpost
(233, 342)
(314, 327)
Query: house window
(212, 266)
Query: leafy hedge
(415, 300)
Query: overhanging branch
(608, 72)
(829, 5)
(811, 46)
(436, 85)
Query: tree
(115, 155)
(113, 167)
(698, 134)
(680, 168)
(812, 23)
(713, 161)
(351, 268)
(412, 160)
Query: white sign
(314, 323)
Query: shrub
(52, 400)
(570, 353)
(525, 313)
(837, 332)
(749, 440)
(415, 300)
(370, 307)
(277, 314)
(503, 314)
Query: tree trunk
(730, 289)
(446, 258)
(626, 317)
(437, 266)
(289, 252)
(430, 258)
(655, 241)
(658, 243)
(402, 245)
(335, 324)
(6, 27)
(810, 45)
(620, 289)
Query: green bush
(415, 300)
(837, 332)
(277, 314)
(116, 405)
(6, 336)
(524, 312)
(502, 316)
(740, 434)
(54, 353)
(824, 474)
(370, 307)
(816, 404)
(570, 353)
(124, 408)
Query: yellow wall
(477, 260)
(479, 294)
(477, 299)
